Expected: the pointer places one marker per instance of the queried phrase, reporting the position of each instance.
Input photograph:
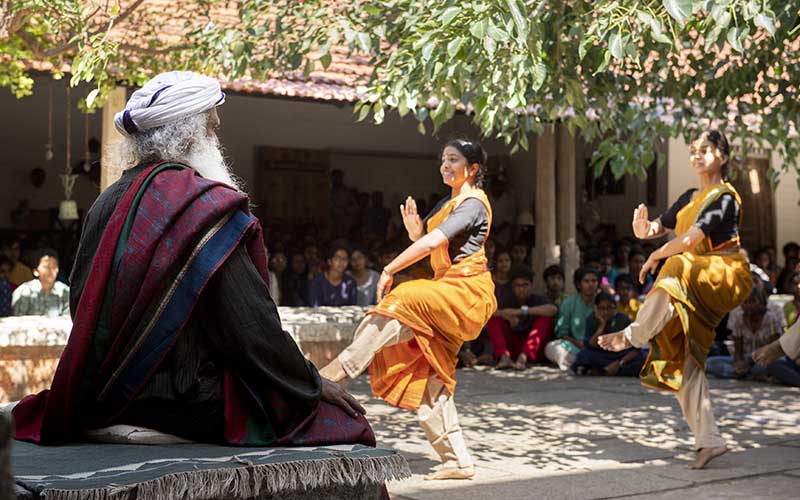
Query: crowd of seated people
(554, 327)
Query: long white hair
(187, 141)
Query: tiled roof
(336, 83)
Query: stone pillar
(110, 171)
(546, 251)
(567, 241)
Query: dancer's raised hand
(641, 221)
(411, 219)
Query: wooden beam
(110, 170)
(545, 252)
(567, 241)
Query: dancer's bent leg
(697, 411)
(439, 419)
(373, 334)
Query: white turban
(166, 98)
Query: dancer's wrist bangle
(524, 310)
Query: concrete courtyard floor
(550, 435)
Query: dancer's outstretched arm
(680, 244)
(411, 255)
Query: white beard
(207, 160)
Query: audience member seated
(42, 296)
(592, 359)
(753, 325)
(636, 260)
(20, 273)
(378, 216)
(791, 257)
(6, 288)
(295, 282)
(277, 267)
(554, 283)
(605, 263)
(519, 254)
(621, 253)
(366, 279)
(763, 259)
(628, 300)
(313, 261)
(502, 277)
(333, 287)
(521, 328)
(490, 247)
(792, 308)
(570, 328)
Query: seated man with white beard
(173, 326)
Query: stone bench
(30, 346)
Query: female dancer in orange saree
(705, 276)
(411, 339)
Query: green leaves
(766, 21)
(514, 65)
(678, 9)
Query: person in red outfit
(521, 327)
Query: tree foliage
(622, 73)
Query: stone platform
(30, 346)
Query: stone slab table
(30, 346)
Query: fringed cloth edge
(250, 481)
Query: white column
(545, 252)
(110, 171)
(567, 242)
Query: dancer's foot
(333, 371)
(705, 455)
(451, 473)
(504, 363)
(614, 342)
(521, 363)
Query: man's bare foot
(611, 369)
(768, 354)
(467, 358)
(521, 363)
(705, 455)
(614, 342)
(504, 363)
(451, 473)
(485, 360)
(333, 371)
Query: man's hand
(768, 354)
(335, 395)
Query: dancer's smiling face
(455, 169)
(705, 157)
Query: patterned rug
(202, 471)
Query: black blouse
(719, 221)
